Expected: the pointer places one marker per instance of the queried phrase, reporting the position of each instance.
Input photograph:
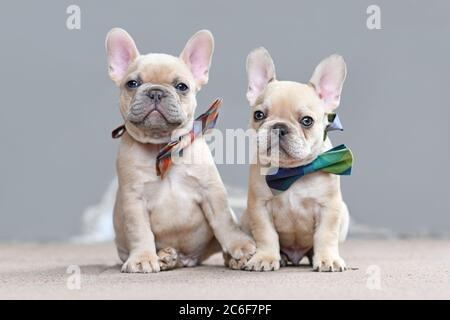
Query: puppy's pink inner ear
(120, 61)
(327, 89)
(257, 82)
(199, 63)
(120, 57)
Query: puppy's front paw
(240, 253)
(328, 263)
(234, 264)
(168, 258)
(243, 248)
(142, 262)
(263, 261)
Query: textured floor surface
(389, 269)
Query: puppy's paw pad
(329, 264)
(243, 249)
(144, 262)
(237, 264)
(168, 258)
(263, 262)
(234, 264)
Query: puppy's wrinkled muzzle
(282, 144)
(156, 108)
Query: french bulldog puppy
(311, 213)
(181, 219)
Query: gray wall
(59, 106)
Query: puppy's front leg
(220, 217)
(134, 233)
(326, 241)
(267, 256)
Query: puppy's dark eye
(181, 87)
(307, 122)
(259, 115)
(133, 84)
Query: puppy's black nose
(155, 94)
(282, 129)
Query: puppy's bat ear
(121, 51)
(328, 79)
(197, 54)
(260, 71)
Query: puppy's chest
(296, 210)
(176, 194)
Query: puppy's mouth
(154, 113)
(154, 119)
(278, 146)
(278, 150)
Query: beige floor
(407, 269)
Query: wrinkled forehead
(160, 69)
(284, 98)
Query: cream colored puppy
(311, 213)
(183, 218)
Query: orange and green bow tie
(202, 123)
(337, 160)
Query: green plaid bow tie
(337, 160)
(202, 123)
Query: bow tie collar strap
(118, 132)
(202, 123)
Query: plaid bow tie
(337, 160)
(202, 123)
